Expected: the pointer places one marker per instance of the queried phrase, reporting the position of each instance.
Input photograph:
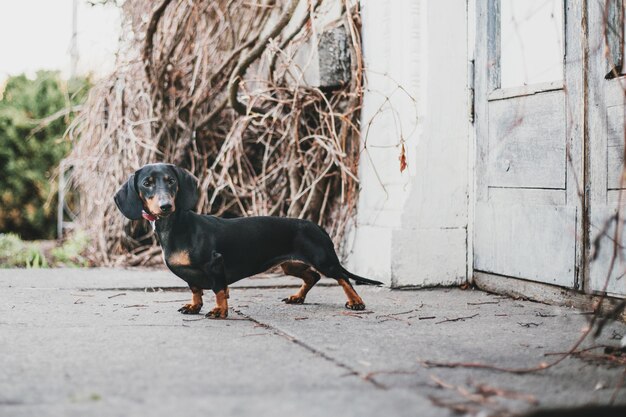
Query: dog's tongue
(148, 216)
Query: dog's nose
(166, 207)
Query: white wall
(411, 227)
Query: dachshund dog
(209, 252)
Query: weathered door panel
(614, 146)
(604, 255)
(527, 137)
(529, 145)
(529, 242)
(607, 87)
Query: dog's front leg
(221, 305)
(196, 302)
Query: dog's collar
(148, 216)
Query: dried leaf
(403, 163)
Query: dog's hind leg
(306, 273)
(334, 270)
(317, 247)
(354, 301)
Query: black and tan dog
(209, 252)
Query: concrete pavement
(111, 343)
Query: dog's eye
(147, 183)
(171, 181)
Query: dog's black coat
(222, 251)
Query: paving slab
(111, 343)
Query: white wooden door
(529, 124)
(607, 197)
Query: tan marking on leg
(196, 296)
(306, 273)
(179, 258)
(196, 302)
(221, 305)
(354, 301)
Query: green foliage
(31, 146)
(70, 253)
(16, 253)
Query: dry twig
(457, 319)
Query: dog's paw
(190, 308)
(355, 306)
(217, 313)
(293, 299)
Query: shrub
(34, 115)
(70, 254)
(16, 253)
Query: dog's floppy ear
(187, 196)
(127, 199)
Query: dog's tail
(360, 279)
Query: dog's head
(159, 190)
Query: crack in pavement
(317, 352)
